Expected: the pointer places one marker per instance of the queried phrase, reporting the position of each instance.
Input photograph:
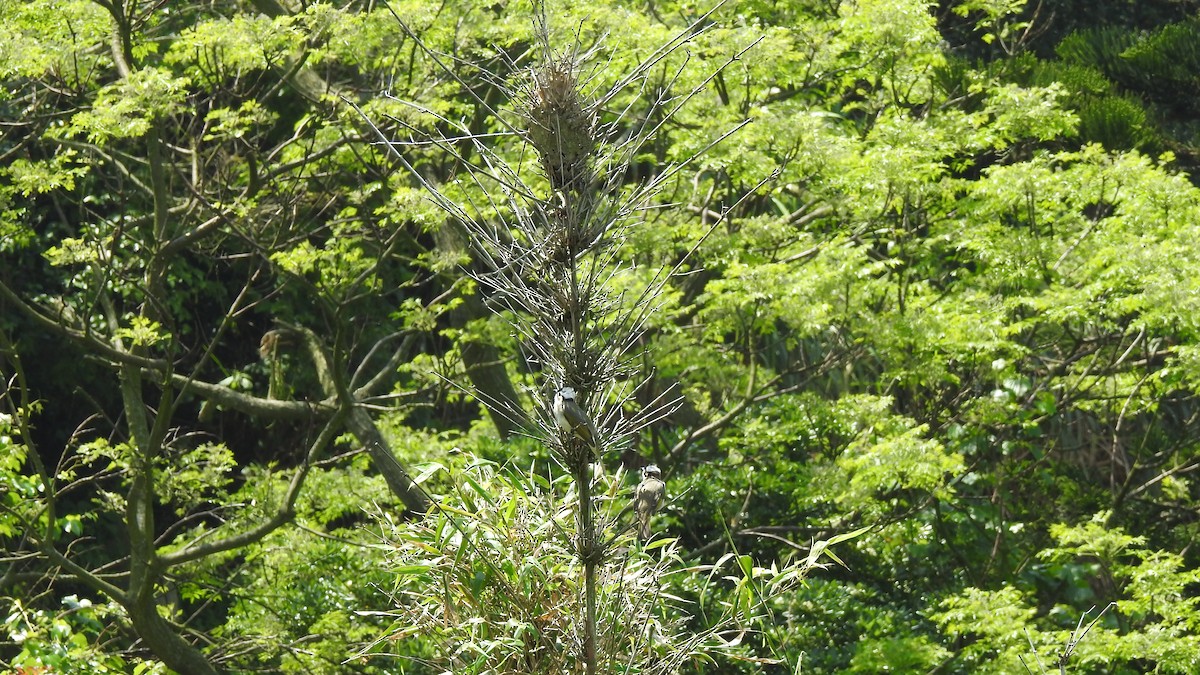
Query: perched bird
(571, 418)
(647, 497)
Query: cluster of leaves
(1151, 624)
(491, 583)
(973, 293)
(75, 639)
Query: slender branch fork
(1072, 642)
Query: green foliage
(899, 654)
(1003, 25)
(128, 108)
(1116, 122)
(994, 620)
(1149, 77)
(70, 640)
(489, 583)
(880, 455)
(1154, 619)
(17, 487)
(1099, 47)
(49, 36)
(1165, 61)
(222, 49)
(141, 332)
(192, 476)
(308, 586)
(946, 290)
(33, 177)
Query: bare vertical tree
(546, 240)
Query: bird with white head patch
(572, 419)
(647, 497)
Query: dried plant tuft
(558, 124)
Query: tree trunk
(481, 360)
(487, 373)
(401, 484)
(161, 639)
(359, 423)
